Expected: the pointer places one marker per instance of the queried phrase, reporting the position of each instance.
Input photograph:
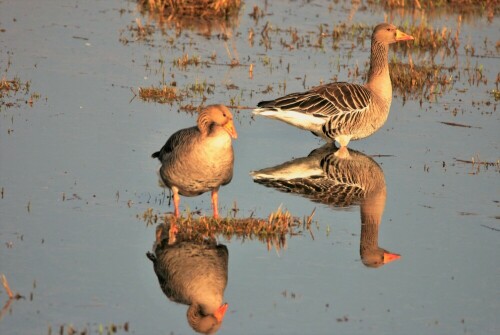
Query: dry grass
(432, 4)
(9, 88)
(431, 39)
(10, 294)
(273, 231)
(9, 85)
(466, 7)
(495, 94)
(185, 61)
(163, 94)
(477, 164)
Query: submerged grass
(428, 38)
(9, 88)
(170, 94)
(7, 85)
(163, 94)
(495, 94)
(185, 61)
(431, 4)
(192, 7)
(464, 7)
(478, 164)
(204, 16)
(109, 329)
(420, 81)
(272, 230)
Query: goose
(327, 178)
(343, 111)
(193, 273)
(199, 159)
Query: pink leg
(215, 200)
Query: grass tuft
(192, 7)
(9, 88)
(419, 81)
(463, 7)
(163, 94)
(272, 230)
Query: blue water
(75, 171)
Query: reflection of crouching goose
(339, 181)
(195, 274)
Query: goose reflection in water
(339, 180)
(193, 273)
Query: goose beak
(400, 36)
(229, 127)
(388, 257)
(219, 313)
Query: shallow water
(75, 172)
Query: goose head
(203, 321)
(387, 33)
(218, 115)
(377, 257)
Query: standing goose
(199, 159)
(327, 178)
(342, 111)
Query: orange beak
(400, 36)
(229, 127)
(219, 313)
(388, 257)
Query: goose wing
(178, 139)
(326, 101)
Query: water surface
(75, 172)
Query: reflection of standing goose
(195, 274)
(326, 178)
(343, 111)
(199, 159)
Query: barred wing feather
(324, 101)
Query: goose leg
(215, 200)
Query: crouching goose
(199, 159)
(325, 177)
(342, 111)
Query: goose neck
(379, 59)
(204, 124)
(378, 75)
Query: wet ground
(76, 172)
